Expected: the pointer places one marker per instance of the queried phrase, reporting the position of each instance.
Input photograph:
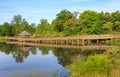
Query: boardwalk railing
(78, 40)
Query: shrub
(97, 64)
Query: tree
(107, 27)
(89, 21)
(115, 16)
(18, 24)
(107, 17)
(5, 29)
(31, 28)
(21, 26)
(116, 26)
(116, 21)
(42, 28)
(17, 19)
(61, 18)
(76, 14)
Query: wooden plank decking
(66, 40)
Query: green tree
(61, 19)
(116, 21)
(18, 24)
(31, 28)
(42, 28)
(17, 19)
(115, 16)
(90, 22)
(107, 17)
(5, 29)
(116, 26)
(76, 14)
(107, 27)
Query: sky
(34, 10)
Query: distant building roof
(24, 33)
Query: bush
(97, 64)
(114, 55)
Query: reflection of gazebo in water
(25, 48)
(24, 34)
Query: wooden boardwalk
(76, 40)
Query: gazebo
(24, 34)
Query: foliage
(16, 26)
(107, 27)
(114, 55)
(3, 39)
(106, 64)
(66, 23)
(97, 64)
(90, 22)
(64, 18)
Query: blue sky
(34, 10)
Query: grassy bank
(103, 65)
(3, 39)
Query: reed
(34, 73)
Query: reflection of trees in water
(18, 57)
(44, 50)
(33, 50)
(18, 54)
(64, 55)
(7, 49)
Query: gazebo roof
(24, 33)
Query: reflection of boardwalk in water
(105, 47)
(25, 48)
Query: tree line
(66, 23)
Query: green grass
(3, 39)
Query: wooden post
(111, 41)
(61, 42)
(72, 42)
(78, 41)
(97, 41)
(89, 42)
(51, 41)
(56, 41)
(83, 42)
(66, 41)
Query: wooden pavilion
(24, 34)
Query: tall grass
(34, 73)
(3, 39)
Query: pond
(20, 59)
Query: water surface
(48, 60)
